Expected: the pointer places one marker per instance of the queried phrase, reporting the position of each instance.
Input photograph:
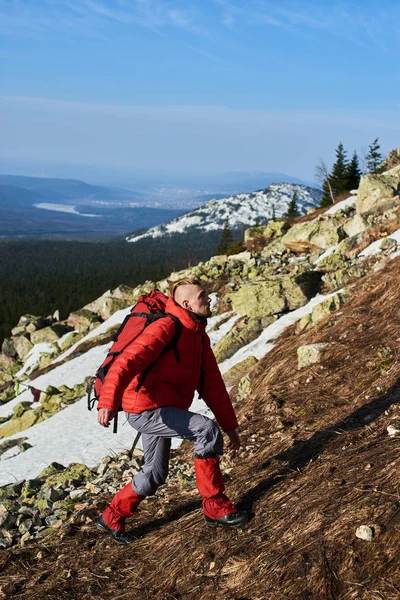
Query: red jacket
(168, 383)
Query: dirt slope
(317, 463)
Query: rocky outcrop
(391, 160)
(378, 192)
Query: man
(158, 408)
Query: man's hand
(234, 441)
(105, 416)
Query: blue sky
(212, 85)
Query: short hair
(186, 281)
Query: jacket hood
(184, 316)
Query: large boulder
(8, 348)
(112, 305)
(83, 319)
(22, 345)
(48, 334)
(273, 230)
(378, 192)
(321, 232)
(274, 295)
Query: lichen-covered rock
(258, 298)
(111, 305)
(388, 245)
(378, 192)
(31, 322)
(348, 248)
(8, 348)
(83, 319)
(51, 469)
(69, 340)
(48, 334)
(326, 307)
(22, 345)
(243, 332)
(335, 280)
(332, 262)
(273, 230)
(303, 323)
(30, 488)
(244, 387)
(233, 376)
(274, 295)
(310, 354)
(321, 232)
(392, 159)
(75, 471)
(18, 424)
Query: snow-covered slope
(239, 210)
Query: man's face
(195, 299)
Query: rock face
(378, 192)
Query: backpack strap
(172, 345)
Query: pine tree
(338, 177)
(226, 239)
(373, 158)
(292, 210)
(273, 217)
(353, 173)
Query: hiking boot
(230, 520)
(119, 536)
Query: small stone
(310, 354)
(25, 538)
(364, 532)
(393, 429)
(77, 494)
(102, 468)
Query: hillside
(306, 332)
(239, 211)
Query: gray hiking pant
(157, 428)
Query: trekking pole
(137, 438)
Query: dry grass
(317, 463)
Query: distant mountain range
(239, 211)
(64, 208)
(58, 191)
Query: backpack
(149, 308)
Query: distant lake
(63, 208)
